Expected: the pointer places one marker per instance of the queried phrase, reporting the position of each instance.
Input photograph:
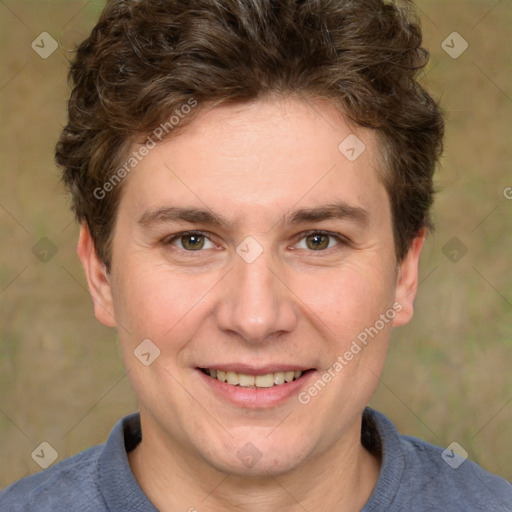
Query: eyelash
(340, 239)
(169, 240)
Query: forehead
(260, 159)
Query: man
(253, 180)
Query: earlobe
(97, 278)
(407, 281)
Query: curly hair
(145, 59)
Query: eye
(319, 241)
(190, 241)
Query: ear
(407, 281)
(97, 278)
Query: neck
(341, 479)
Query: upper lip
(255, 370)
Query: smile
(267, 380)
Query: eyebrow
(172, 214)
(334, 211)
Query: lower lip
(254, 398)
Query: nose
(256, 303)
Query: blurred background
(448, 376)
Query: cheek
(155, 302)
(349, 298)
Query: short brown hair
(145, 59)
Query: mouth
(258, 388)
(255, 380)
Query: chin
(255, 456)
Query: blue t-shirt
(414, 477)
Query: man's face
(291, 259)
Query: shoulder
(72, 484)
(441, 475)
(428, 477)
(97, 479)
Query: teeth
(245, 380)
(259, 381)
(232, 378)
(264, 381)
(279, 378)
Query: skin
(254, 164)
